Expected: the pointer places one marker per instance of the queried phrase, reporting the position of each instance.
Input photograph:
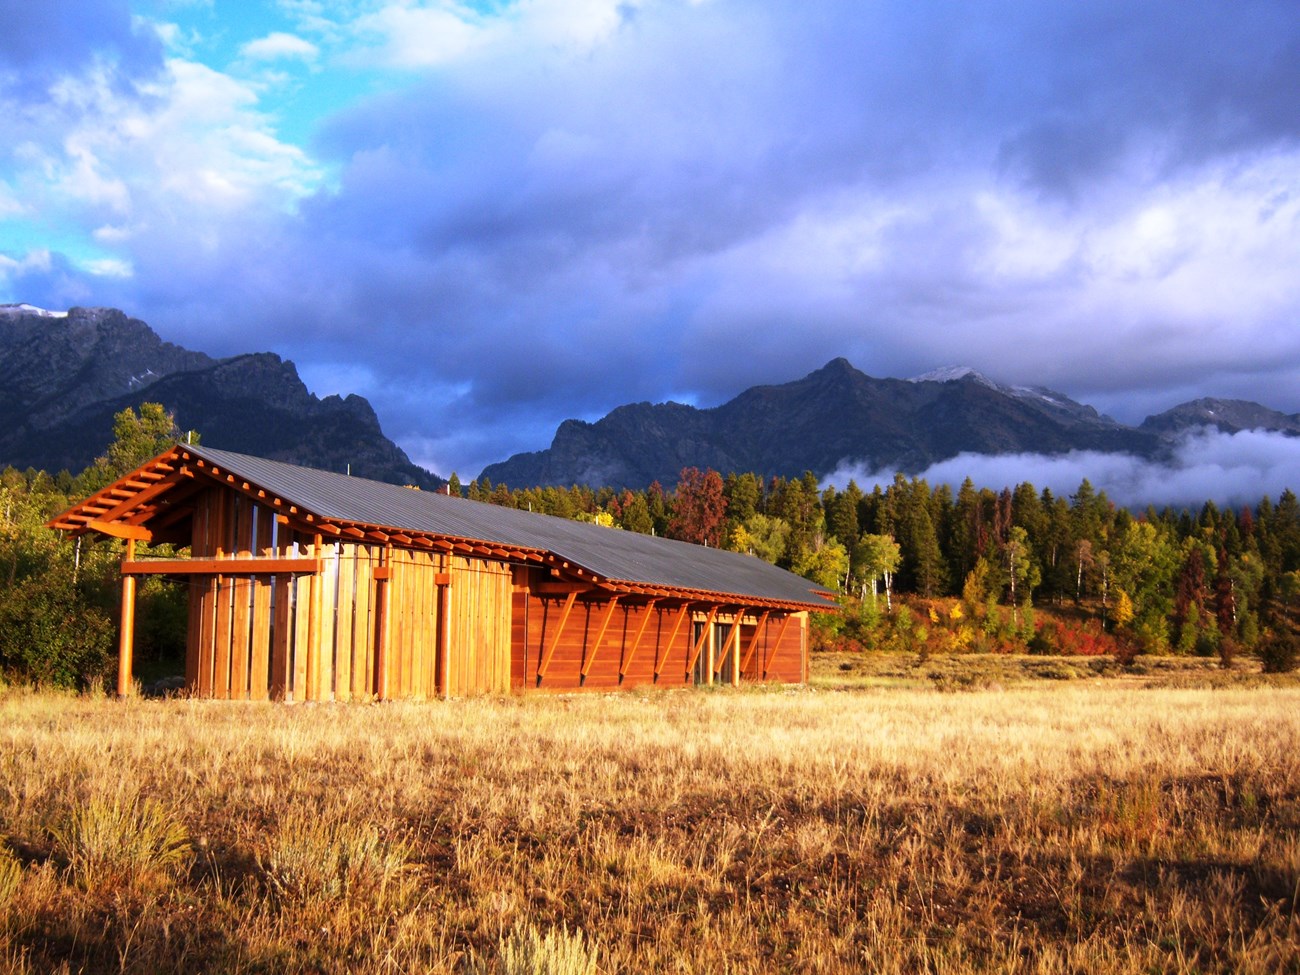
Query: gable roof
(344, 506)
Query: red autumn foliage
(1073, 639)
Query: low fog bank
(1230, 469)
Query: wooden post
(315, 592)
(383, 626)
(735, 650)
(729, 655)
(803, 643)
(555, 637)
(683, 614)
(126, 642)
(443, 625)
(280, 673)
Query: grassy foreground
(1065, 826)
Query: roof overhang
(145, 503)
(134, 506)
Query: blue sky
(489, 217)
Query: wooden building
(312, 586)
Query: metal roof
(609, 553)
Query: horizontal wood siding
(781, 654)
(577, 644)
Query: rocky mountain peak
(67, 373)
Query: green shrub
(315, 860)
(526, 951)
(161, 619)
(50, 635)
(122, 841)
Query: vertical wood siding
(316, 637)
(479, 626)
(455, 625)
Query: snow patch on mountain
(13, 311)
(952, 374)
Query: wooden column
(683, 614)
(774, 647)
(383, 624)
(126, 642)
(734, 640)
(759, 631)
(315, 594)
(443, 625)
(706, 636)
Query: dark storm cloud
(728, 193)
(44, 40)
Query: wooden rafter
(636, 641)
(732, 644)
(133, 532)
(771, 653)
(595, 645)
(555, 639)
(682, 615)
(753, 641)
(248, 566)
(699, 644)
(561, 588)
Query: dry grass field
(870, 823)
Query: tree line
(973, 565)
(59, 599)
(916, 567)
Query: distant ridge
(833, 416)
(66, 373)
(837, 416)
(1227, 415)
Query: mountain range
(65, 374)
(837, 416)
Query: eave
(152, 498)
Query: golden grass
(1067, 826)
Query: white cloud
(577, 22)
(10, 205)
(108, 267)
(194, 148)
(35, 260)
(279, 46)
(410, 35)
(418, 34)
(1229, 469)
